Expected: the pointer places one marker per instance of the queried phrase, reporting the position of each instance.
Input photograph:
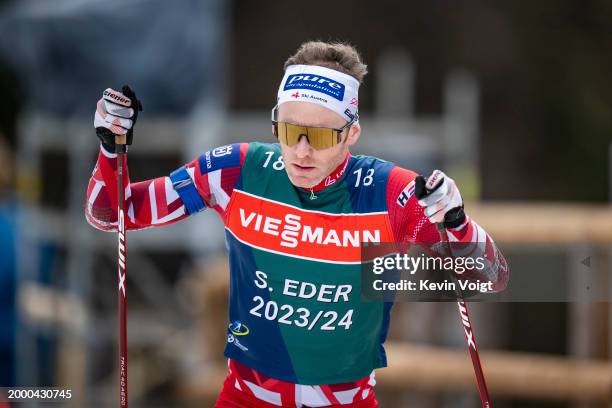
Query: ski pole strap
(183, 185)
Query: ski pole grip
(120, 139)
(120, 143)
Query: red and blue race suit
(298, 332)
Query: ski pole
(120, 143)
(468, 329)
(463, 311)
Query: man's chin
(301, 181)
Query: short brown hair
(340, 56)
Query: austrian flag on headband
(323, 86)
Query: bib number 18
(367, 180)
(278, 164)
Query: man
(295, 214)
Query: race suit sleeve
(206, 181)
(410, 225)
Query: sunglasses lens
(321, 138)
(318, 138)
(289, 134)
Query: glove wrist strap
(454, 218)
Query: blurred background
(512, 99)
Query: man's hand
(440, 197)
(116, 114)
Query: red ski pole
(423, 189)
(120, 143)
(467, 328)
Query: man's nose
(303, 148)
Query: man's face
(305, 165)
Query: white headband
(324, 86)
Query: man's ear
(353, 135)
